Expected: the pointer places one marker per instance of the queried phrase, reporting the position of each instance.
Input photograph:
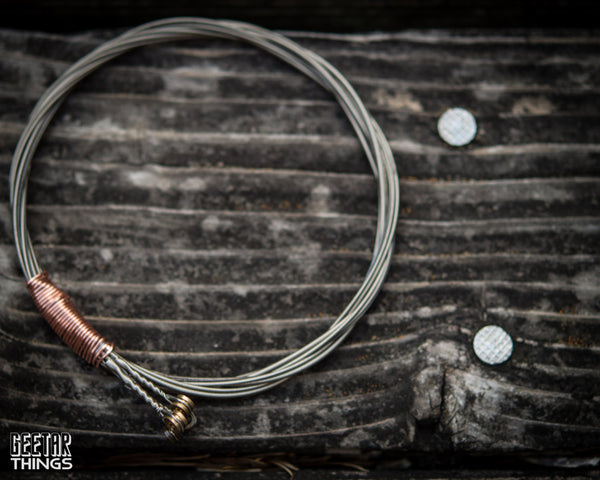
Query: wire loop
(369, 133)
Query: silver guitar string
(371, 138)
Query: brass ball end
(175, 424)
(185, 405)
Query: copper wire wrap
(64, 318)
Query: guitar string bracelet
(169, 395)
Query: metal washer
(457, 127)
(493, 345)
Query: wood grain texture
(210, 210)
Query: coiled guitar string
(369, 134)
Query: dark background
(324, 15)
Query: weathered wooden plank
(312, 153)
(152, 228)
(266, 267)
(209, 210)
(518, 47)
(315, 119)
(220, 417)
(193, 188)
(504, 63)
(195, 85)
(269, 467)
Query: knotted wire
(369, 133)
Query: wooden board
(209, 210)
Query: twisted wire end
(61, 314)
(176, 412)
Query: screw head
(493, 345)
(457, 127)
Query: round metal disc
(493, 345)
(457, 127)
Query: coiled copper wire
(64, 318)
